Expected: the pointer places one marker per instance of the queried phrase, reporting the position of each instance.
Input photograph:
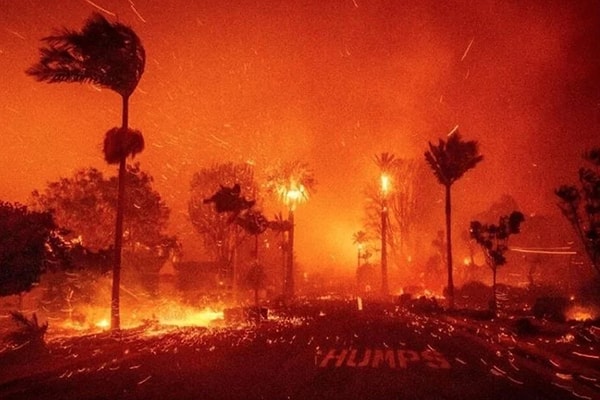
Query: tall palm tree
(292, 183)
(109, 55)
(449, 161)
(386, 162)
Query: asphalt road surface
(318, 351)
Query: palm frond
(450, 160)
(107, 54)
(120, 143)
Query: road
(324, 351)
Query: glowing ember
(579, 313)
(192, 318)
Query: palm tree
(359, 238)
(109, 55)
(449, 161)
(292, 183)
(386, 162)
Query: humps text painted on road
(377, 358)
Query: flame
(103, 324)
(191, 317)
(580, 313)
(161, 316)
(293, 194)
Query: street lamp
(385, 188)
(292, 196)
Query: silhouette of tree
(85, 203)
(256, 279)
(220, 235)
(493, 240)
(359, 239)
(386, 162)
(449, 161)
(110, 55)
(581, 206)
(291, 183)
(30, 244)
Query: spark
(467, 50)
(355, 3)
(17, 34)
(541, 251)
(514, 380)
(586, 355)
(581, 396)
(136, 11)
(144, 380)
(100, 8)
(455, 129)
(566, 377)
(496, 368)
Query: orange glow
(292, 195)
(580, 313)
(326, 82)
(103, 324)
(160, 316)
(385, 184)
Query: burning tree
(85, 204)
(581, 206)
(110, 55)
(223, 185)
(449, 161)
(292, 183)
(493, 240)
(30, 244)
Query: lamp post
(385, 187)
(293, 196)
(291, 183)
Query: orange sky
(328, 82)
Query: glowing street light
(387, 163)
(385, 184)
(292, 184)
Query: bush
(29, 330)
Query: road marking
(378, 358)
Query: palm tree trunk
(450, 288)
(384, 266)
(115, 318)
(289, 279)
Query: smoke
(330, 83)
